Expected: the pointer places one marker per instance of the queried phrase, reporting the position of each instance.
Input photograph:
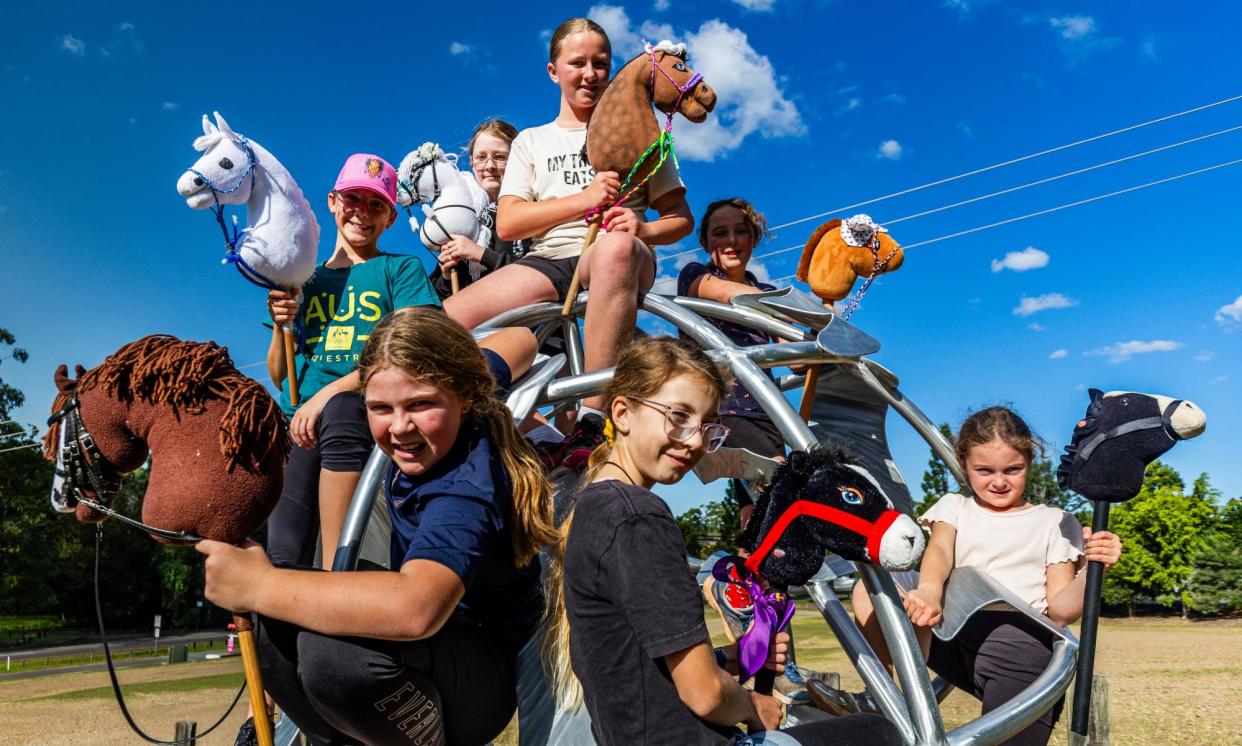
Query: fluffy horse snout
(699, 103)
(191, 186)
(902, 545)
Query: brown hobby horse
(217, 443)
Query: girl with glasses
(627, 635)
(489, 155)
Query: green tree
(937, 477)
(1216, 581)
(694, 532)
(1163, 530)
(1042, 488)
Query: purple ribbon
(773, 610)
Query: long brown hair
(642, 369)
(496, 127)
(997, 423)
(574, 26)
(426, 345)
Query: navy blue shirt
(458, 514)
(739, 402)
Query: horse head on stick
(216, 440)
(452, 201)
(277, 247)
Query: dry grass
(1172, 683)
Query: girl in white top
(1036, 551)
(547, 189)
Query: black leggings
(856, 730)
(457, 687)
(995, 656)
(344, 444)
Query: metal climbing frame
(914, 706)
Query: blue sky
(823, 104)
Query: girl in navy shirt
(426, 653)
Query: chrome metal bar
(869, 667)
(748, 317)
(350, 543)
(1029, 704)
(908, 661)
(573, 344)
(918, 420)
(761, 387)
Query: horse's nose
(909, 538)
(198, 181)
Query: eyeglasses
(481, 160)
(681, 425)
(354, 201)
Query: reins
(872, 531)
(877, 268)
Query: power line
(1012, 161)
(1029, 215)
(18, 448)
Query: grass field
(1172, 682)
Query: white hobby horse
(452, 201)
(276, 249)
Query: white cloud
(760, 6)
(1058, 354)
(1220, 379)
(125, 26)
(1149, 48)
(850, 105)
(1029, 305)
(1204, 356)
(893, 98)
(1073, 27)
(1123, 351)
(660, 5)
(965, 128)
(889, 150)
(1036, 326)
(964, 8)
(1021, 261)
(73, 45)
(1229, 316)
(457, 48)
(170, 106)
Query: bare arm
(710, 287)
(923, 604)
(675, 221)
(408, 605)
(282, 307)
(711, 694)
(517, 218)
(1065, 587)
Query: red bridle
(873, 531)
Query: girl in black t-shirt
(628, 636)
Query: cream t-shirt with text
(1014, 547)
(546, 162)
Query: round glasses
(680, 425)
(481, 160)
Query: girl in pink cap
(357, 286)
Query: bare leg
(864, 617)
(336, 489)
(614, 269)
(507, 288)
(516, 345)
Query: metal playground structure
(817, 337)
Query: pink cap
(365, 171)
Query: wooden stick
(572, 295)
(455, 280)
(808, 393)
(291, 357)
(254, 679)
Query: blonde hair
(756, 223)
(428, 346)
(495, 127)
(997, 423)
(642, 369)
(574, 26)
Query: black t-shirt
(631, 600)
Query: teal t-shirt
(340, 307)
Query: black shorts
(560, 272)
